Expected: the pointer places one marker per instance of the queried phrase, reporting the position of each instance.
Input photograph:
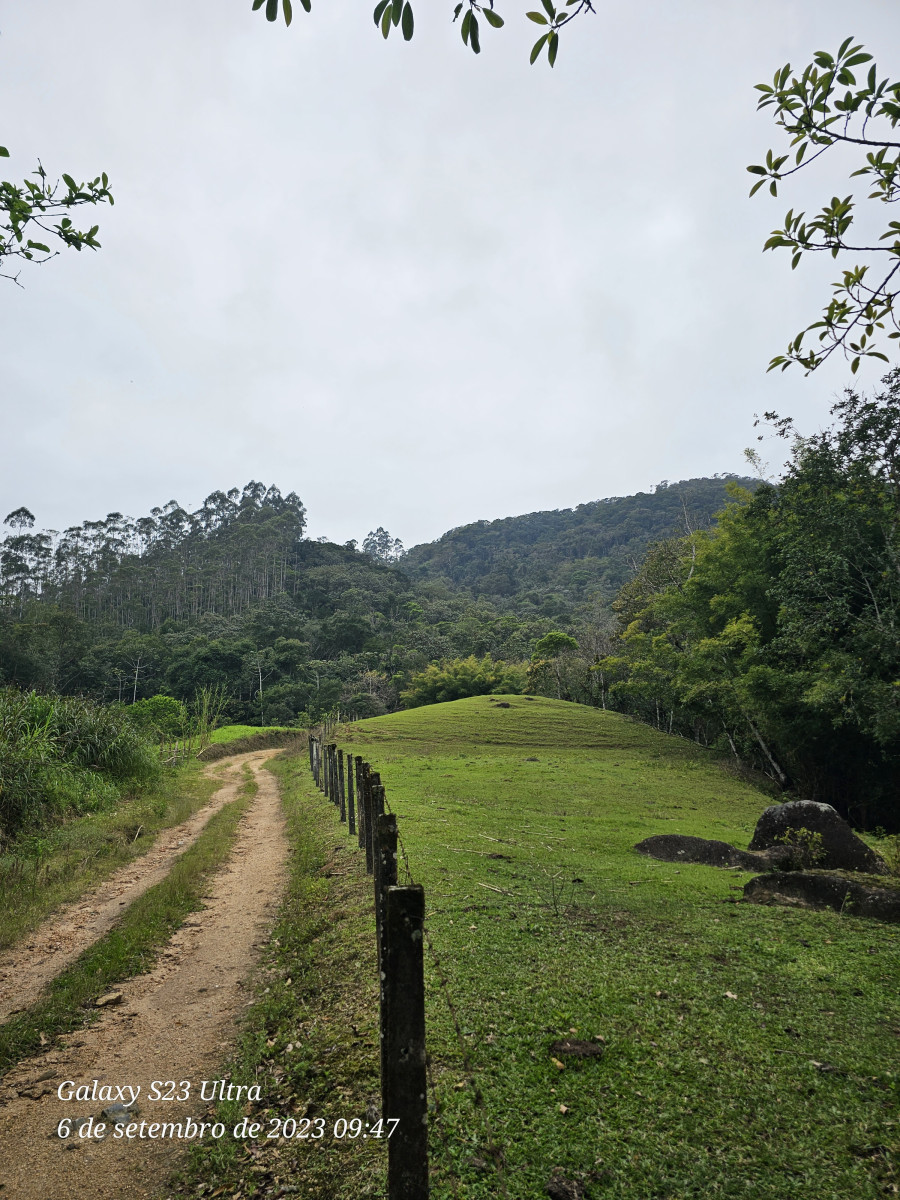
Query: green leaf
(288, 11)
(70, 182)
(396, 12)
(549, 9)
(552, 48)
(379, 10)
(386, 21)
(4, 153)
(537, 18)
(271, 10)
(473, 36)
(466, 22)
(844, 44)
(537, 48)
(757, 170)
(38, 246)
(756, 187)
(408, 25)
(856, 59)
(257, 4)
(493, 18)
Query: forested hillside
(232, 595)
(554, 561)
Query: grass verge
(43, 871)
(311, 1038)
(749, 1052)
(130, 947)
(232, 733)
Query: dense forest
(233, 595)
(552, 562)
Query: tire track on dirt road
(27, 968)
(174, 1023)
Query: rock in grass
(678, 847)
(826, 889)
(578, 1049)
(838, 846)
(559, 1188)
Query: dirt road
(174, 1023)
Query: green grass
(40, 872)
(231, 733)
(310, 1040)
(131, 945)
(788, 1089)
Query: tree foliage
(398, 14)
(822, 107)
(778, 633)
(458, 678)
(35, 220)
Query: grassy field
(750, 1052)
(231, 733)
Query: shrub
(64, 755)
(457, 678)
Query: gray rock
(823, 889)
(841, 849)
(678, 847)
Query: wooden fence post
(341, 794)
(361, 830)
(373, 812)
(403, 1043)
(332, 773)
(351, 812)
(385, 877)
(367, 809)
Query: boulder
(824, 889)
(678, 847)
(839, 848)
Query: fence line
(358, 794)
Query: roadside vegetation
(81, 792)
(61, 756)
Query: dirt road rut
(174, 1023)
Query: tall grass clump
(62, 756)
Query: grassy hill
(750, 1052)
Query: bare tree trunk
(782, 778)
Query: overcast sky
(417, 287)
